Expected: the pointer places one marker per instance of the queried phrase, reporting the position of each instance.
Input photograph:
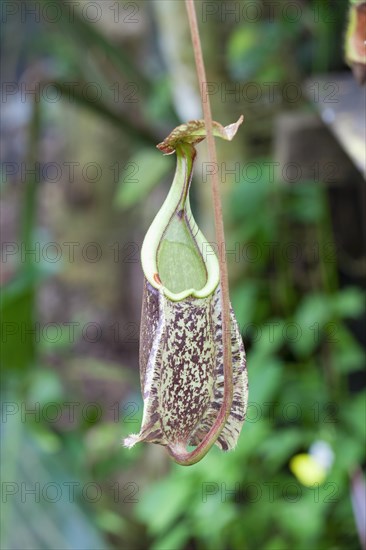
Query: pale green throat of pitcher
(180, 264)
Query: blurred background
(88, 90)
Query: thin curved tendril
(180, 455)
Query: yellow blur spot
(307, 470)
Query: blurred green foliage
(292, 313)
(298, 394)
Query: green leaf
(311, 316)
(176, 538)
(265, 374)
(354, 415)
(349, 302)
(349, 356)
(18, 343)
(224, 515)
(162, 504)
(280, 446)
(111, 522)
(244, 299)
(249, 197)
(246, 59)
(276, 543)
(302, 519)
(349, 452)
(142, 173)
(271, 336)
(305, 202)
(50, 517)
(45, 386)
(314, 308)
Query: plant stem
(180, 455)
